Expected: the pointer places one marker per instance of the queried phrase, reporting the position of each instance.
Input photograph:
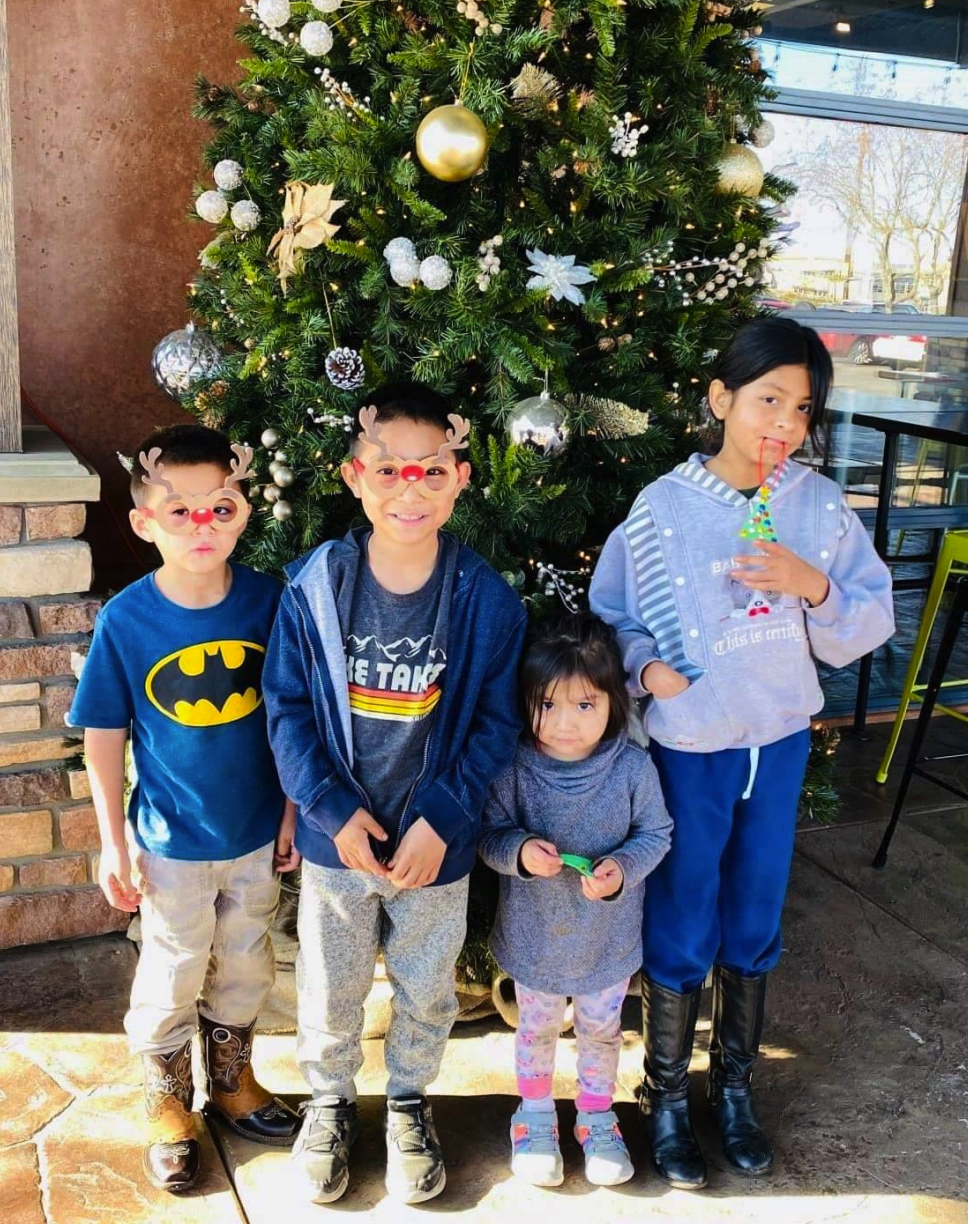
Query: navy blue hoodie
(476, 724)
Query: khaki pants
(205, 945)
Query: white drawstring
(754, 766)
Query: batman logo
(208, 685)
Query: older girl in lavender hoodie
(730, 577)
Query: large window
(874, 223)
(872, 126)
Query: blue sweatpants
(717, 896)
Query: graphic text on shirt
(397, 681)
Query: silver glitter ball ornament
(212, 206)
(763, 135)
(282, 510)
(316, 38)
(269, 439)
(182, 358)
(280, 458)
(227, 174)
(436, 272)
(274, 13)
(404, 270)
(272, 493)
(539, 423)
(327, 6)
(284, 477)
(399, 248)
(245, 215)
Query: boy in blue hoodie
(391, 692)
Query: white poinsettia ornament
(559, 275)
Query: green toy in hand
(583, 866)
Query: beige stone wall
(48, 831)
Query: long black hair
(579, 645)
(763, 345)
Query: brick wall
(48, 832)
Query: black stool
(912, 766)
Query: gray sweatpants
(345, 917)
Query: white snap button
(667, 531)
(831, 506)
(694, 633)
(824, 553)
(680, 582)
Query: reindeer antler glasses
(388, 474)
(224, 509)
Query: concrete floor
(863, 1082)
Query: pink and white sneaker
(607, 1160)
(535, 1154)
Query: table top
(917, 419)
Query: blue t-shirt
(188, 683)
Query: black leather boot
(738, 1004)
(668, 1027)
(234, 1093)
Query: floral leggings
(598, 1033)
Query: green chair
(952, 560)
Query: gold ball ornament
(739, 171)
(452, 143)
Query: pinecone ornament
(344, 369)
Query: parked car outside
(863, 348)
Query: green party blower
(583, 866)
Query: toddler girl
(573, 826)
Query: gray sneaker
(321, 1152)
(415, 1166)
(535, 1154)
(607, 1160)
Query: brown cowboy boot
(234, 1094)
(171, 1154)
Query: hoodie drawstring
(754, 766)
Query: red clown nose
(203, 516)
(412, 472)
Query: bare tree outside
(899, 190)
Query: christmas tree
(548, 211)
(540, 209)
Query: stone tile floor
(863, 1082)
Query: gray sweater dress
(547, 935)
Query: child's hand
(418, 857)
(662, 681)
(353, 843)
(114, 877)
(780, 569)
(607, 880)
(540, 858)
(286, 857)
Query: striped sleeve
(657, 603)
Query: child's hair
(579, 645)
(407, 401)
(765, 344)
(183, 446)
